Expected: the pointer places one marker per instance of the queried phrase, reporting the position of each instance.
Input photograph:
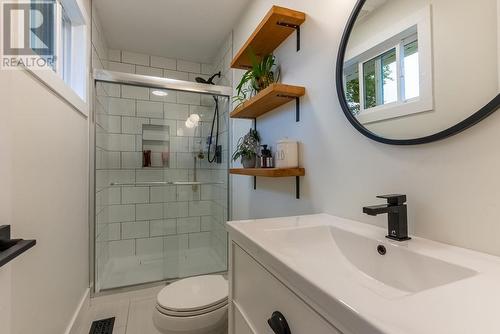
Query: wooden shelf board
(268, 172)
(268, 99)
(268, 35)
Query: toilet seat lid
(195, 293)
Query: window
(69, 46)
(390, 74)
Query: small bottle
(266, 158)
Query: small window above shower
(155, 146)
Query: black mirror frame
(484, 112)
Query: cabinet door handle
(278, 323)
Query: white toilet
(196, 305)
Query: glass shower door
(161, 204)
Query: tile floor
(133, 311)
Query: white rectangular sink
(417, 286)
(399, 267)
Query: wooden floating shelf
(268, 99)
(269, 172)
(278, 24)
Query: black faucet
(396, 210)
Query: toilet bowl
(196, 305)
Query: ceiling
(192, 30)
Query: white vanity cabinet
(255, 294)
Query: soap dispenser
(266, 158)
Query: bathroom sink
(355, 277)
(386, 262)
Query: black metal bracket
(297, 187)
(293, 26)
(11, 248)
(297, 105)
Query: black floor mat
(104, 326)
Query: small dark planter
(249, 162)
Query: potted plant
(247, 149)
(262, 74)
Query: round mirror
(416, 71)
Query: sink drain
(381, 249)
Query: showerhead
(210, 80)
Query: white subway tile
(188, 66)
(114, 55)
(174, 244)
(206, 113)
(188, 98)
(133, 92)
(163, 194)
(111, 160)
(121, 213)
(207, 69)
(207, 192)
(149, 175)
(111, 89)
(199, 240)
(179, 144)
(114, 231)
(114, 124)
(121, 107)
(175, 210)
(187, 193)
(131, 160)
(150, 71)
(188, 225)
(120, 176)
(133, 125)
(119, 142)
(135, 58)
(121, 248)
(175, 111)
(134, 230)
(149, 109)
(184, 131)
(120, 67)
(162, 62)
(185, 160)
(163, 227)
(199, 208)
(149, 211)
(176, 75)
(149, 246)
(171, 96)
(134, 195)
(206, 223)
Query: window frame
(76, 92)
(414, 27)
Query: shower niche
(155, 146)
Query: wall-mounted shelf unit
(277, 25)
(272, 172)
(269, 172)
(269, 99)
(12, 248)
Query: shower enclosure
(160, 205)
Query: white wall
(43, 195)
(452, 185)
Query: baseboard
(77, 319)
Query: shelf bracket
(293, 26)
(255, 183)
(297, 187)
(297, 105)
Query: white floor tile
(140, 320)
